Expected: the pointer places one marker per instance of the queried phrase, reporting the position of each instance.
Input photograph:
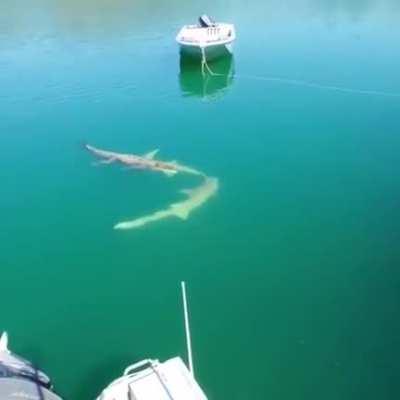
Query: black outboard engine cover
(206, 22)
(19, 379)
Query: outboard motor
(206, 22)
(19, 379)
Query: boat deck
(194, 35)
(169, 380)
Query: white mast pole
(187, 328)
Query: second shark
(195, 198)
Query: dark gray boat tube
(19, 379)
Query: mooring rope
(205, 64)
(296, 82)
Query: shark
(196, 197)
(145, 162)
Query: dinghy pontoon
(154, 380)
(19, 379)
(207, 39)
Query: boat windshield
(206, 22)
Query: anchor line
(295, 82)
(205, 64)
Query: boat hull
(150, 379)
(210, 52)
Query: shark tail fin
(151, 154)
(4, 342)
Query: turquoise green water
(292, 269)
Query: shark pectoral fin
(108, 160)
(4, 342)
(151, 154)
(188, 192)
(181, 212)
(103, 162)
(169, 172)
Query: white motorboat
(207, 40)
(154, 380)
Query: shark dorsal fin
(4, 342)
(151, 154)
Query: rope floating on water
(295, 82)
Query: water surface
(292, 269)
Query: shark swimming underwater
(196, 197)
(146, 161)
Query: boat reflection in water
(208, 82)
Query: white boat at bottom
(151, 379)
(207, 39)
(154, 380)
